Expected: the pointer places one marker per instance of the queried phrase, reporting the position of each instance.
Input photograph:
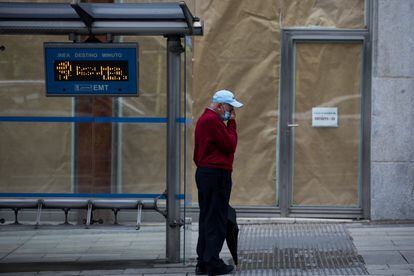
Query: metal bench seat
(117, 204)
(73, 203)
(11, 203)
(17, 204)
(66, 204)
(89, 204)
(123, 203)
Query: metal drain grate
(297, 249)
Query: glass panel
(22, 79)
(26, 97)
(144, 152)
(35, 157)
(326, 159)
(143, 146)
(187, 151)
(152, 98)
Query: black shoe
(219, 270)
(201, 269)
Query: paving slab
(58, 273)
(146, 270)
(382, 257)
(408, 255)
(61, 255)
(59, 259)
(377, 248)
(405, 247)
(402, 266)
(19, 274)
(391, 272)
(8, 248)
(98, 257)
(20, 260)
(401, 234)
(24, 255)
(407, 243)
(49, 251)
(101, 272)
(98, 249)
(379, 241)
(30, 244)
(377, 267)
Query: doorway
(324, 124)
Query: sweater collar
(209, 110)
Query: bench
(89, 204)
(17, 204)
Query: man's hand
(233, 115)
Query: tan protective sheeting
(239, 51)
(323, 13)
(326, 158)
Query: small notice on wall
(325, 117)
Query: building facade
(326, 130)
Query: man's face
(225, 107)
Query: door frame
(289, 36)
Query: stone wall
(392, 136)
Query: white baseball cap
(225, 96)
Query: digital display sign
(75, 69)
(90, 70)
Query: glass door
(326, 124)
(322, 138)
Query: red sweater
(215, 143)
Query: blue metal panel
(74, 69)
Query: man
(215, 145)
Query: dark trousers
(214, 188)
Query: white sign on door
(325, 117)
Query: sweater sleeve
(225, 137)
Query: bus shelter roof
(164, 19)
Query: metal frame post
(174, 50)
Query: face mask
(226, 116)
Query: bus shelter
(174, 21)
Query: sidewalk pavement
(386, 248)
